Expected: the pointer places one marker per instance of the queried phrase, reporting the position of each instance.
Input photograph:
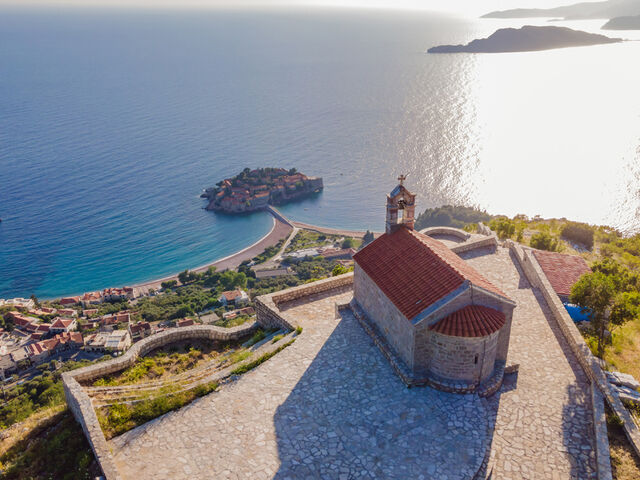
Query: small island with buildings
(256, 189)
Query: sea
(113, 121)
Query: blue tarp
(575, 312)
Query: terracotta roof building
(562, 271)
(442, 318)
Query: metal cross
(402, 178)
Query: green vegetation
(340, 269)
(277, 338)
(119, 418)
(451, 216)
(544, 241)
(367, 239)
(579, 233)
(253, 364)
(308, 239)
(169, 284)
(298, 330)
(268, 252)
(257, 336)
(182, 302)
(612, 294)
(55, 449)
(41, 392)
(170, 360)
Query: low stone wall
(268, 306)
(80, 404)
(587, 361)
(454, 232)
(487, 241)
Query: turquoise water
(112, 122)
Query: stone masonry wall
(267, 306)
(587, 361)
(80, 404)
(398, 331)
(470, 359)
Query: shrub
(544, 241)
(277, 338)
(503, 227)
(578, 233)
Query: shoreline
(278, 231)
(281, 229)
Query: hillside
(584, 10)
(527, 39)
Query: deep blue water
(112, 122)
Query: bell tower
(400, 207)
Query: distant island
(578, 11)
(527, 39)
(253, 190)
(623, 23)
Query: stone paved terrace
(329, 406)
(543, 428)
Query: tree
(595, 293)
(347, 243)
(339, 270)
(544, 241)
(578, 233)
(35, 300)
(504, 227)
(230, 280)
(169, 284)
(367, 239)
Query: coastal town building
(445, 321)
(185, 322)
(236, 297)
(140, 330)
(67, 312)
(69, 301)
(63, 325)
(249, 311)
(19, 303)
(109, 341)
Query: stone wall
(587, 361)
(268, 306)
(470, 359)
(487, 242)
(398, 331)
(80, 404)
(454, 232)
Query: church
(440, 317)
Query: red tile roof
(185, 322)
(563, 271)
(61, 323)
(414, 271)
(470, 321)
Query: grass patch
(277, 338)
(625, 465)
(239, 356)
(170, 360)
(54, 449)
(253, 364)
(258, 336)
(298, 330)
(624, 351)
(119, 418)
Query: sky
(467, 6)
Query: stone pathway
(329, 406)
(543, 427)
